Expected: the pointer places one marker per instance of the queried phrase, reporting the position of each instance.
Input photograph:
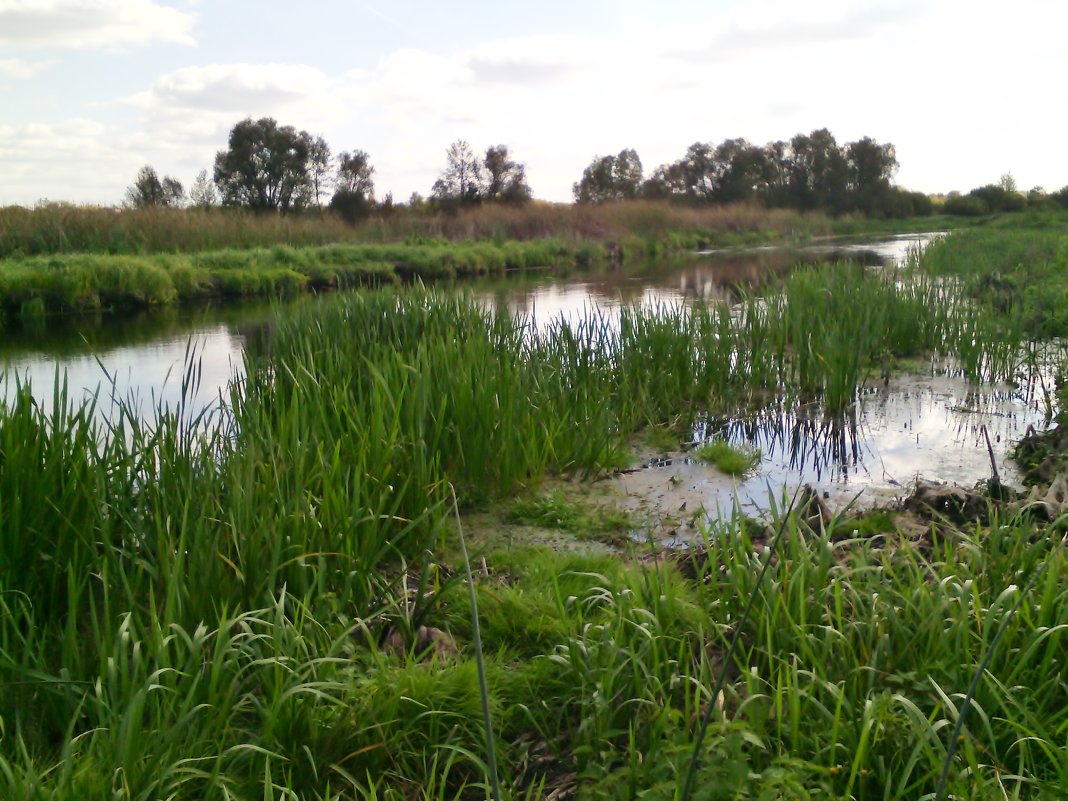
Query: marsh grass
(63, 228)
(36, 286)
(731, 459)
(198, 605)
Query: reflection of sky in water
(918, 427)
(149, 374)
(711, 277)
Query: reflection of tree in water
(725, 278)
(829, 448)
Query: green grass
(200, 608)
(59, 228)
(36, 286)
(554, 510)
(1016, 273)
(730, 459)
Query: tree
(319, 173)
(149, 191)
(266, 166)
(461, 182)
(699, 171)
(355, 194)
(742, 170)
(505, 179)
(819, 174)
(203, 194)
(610, 178)
(355, 174)
(871, 167)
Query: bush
(966, 206)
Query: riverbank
(60, 259)
(211, 603)
(35, 287)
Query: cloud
(531, 60)
(17, 68)
(92, 23)
(232, 88)
(75, 159)
(778, 25)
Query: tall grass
(204, 605)
(1016, 273)
(62, 228)
(31, 287)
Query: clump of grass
(554, 510)
(878, 521)
(731, 459)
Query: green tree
(610, 178)
(265, 167)
(741, 170)
(461, 181)
(355, 175)
(355, 194)
(871, 166)
(819, 173)
(505, 179)
(320, 175)
(202, 194)
(149, 191)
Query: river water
(928, 425)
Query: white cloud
(242, 89)
(91, 23)
(18, 68)
(75, 159)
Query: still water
(926, 425)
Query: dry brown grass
(65, 228)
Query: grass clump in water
(733, 460)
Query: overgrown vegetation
(254, 602)
(1018, 270)
(32, 287)
(60, 228)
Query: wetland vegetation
(264, 599)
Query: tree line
(811, 172)
(272, 167)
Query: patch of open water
(929, 427)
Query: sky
(92, 90)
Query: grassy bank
(32, 287)
(265, 603)
(1016, 271)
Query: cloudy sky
(90, 90)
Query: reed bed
(226, 605)
(63, 228)
(1017, 273)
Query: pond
(930, 424)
